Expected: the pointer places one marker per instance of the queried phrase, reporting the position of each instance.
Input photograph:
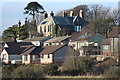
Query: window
(105, 47)
(45, 29)
(33, 57)
(26, 57)
(48, 28)
(48, 55)
(42, 56)
(4, 56)
(40, 29)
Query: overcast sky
(12, 10)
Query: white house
(12, 50)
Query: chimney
(19, 23)
(71, 13)
(25, 20)
(81, 13)
(46, 15)
(52, 14)
(64, 14)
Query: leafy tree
(33, 8)
(11, 34)
(23, 34)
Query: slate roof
(16, 50)
(106, 42)
(17, 47)
(17, 44)
(68, 21)
(57, 39)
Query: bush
(51, 69)
(113, 72)
(28, 71)
(7, 69)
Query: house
(12, 50)
(114, 36)
(86, 40)
(37, 41)
(31, 55)
(57, 41)
(61, 25)
(55, 54)
(106, 47)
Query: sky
(11, 11)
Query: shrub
(112, 72)
(28, 71)
(51, 69)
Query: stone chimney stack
(81, 13)
(52, 14)
(71, 13)
(46, 15)
(64, 14)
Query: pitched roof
(37, 50)
(106, 42)
(57, 39)
(18, 44)
(34, 50)
(51, 49)
(17, 47)
(68, 20)
(97, 38)
(16, 50)
(36, 39)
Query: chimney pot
(46, 15)
(81, 13)
(52, 14)
(64, 13)
(71, 13)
